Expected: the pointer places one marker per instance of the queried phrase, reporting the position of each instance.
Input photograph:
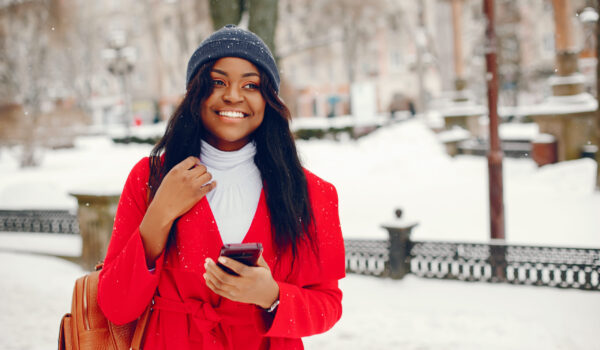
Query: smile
(231, 114)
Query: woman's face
(236, 107)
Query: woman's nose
(232, 95)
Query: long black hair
(285, 185)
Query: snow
(416, 313)
(403, 165)
(96, 165)
(34, 297)
(514, 131)
(557, 105)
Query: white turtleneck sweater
(233, 202)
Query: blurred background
(72, 66)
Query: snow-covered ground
(412, 313)
(398, 166)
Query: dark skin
(235, 82)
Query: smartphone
(246, 253)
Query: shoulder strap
(136, 341)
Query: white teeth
(232, 114)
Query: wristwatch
(273, 306)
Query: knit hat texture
(231, 41)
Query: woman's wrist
(154, 230)
(271, 297)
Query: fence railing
(529, 265)
(517, 264)
(398, 255)
(44, 221)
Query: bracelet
(273, 306)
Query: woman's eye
(218, 82)
(251, 86)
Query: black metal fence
(516, 264)
(367, 257)
(44, 221)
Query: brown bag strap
(138, 334)
(136, 341)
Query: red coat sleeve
(313, 303)
(126, 286)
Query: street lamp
(121, 60)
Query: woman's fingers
(221, 282)
(198, 170)
(202, 177)
(262, 263)
(187, 163)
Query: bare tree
(354, 21)
(262, 16)
(24, 70)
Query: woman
(247, 185)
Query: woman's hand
(254, 285)
(183, 186)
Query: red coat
(187, 314)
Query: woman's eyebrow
(245, 75)
(251, 74)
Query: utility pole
(497, 252)
(495, 152)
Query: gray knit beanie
(231, 41)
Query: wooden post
(495, 153)
(567, 57)
(564, 31)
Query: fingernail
(222, 260)
(204, 275)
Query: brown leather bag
(86, 327)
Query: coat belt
(209, 325)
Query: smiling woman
(226, 171)
(236, 107)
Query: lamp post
(121, 60)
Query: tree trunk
(225, 12)
(262, 13)
(263, 20)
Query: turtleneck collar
(233, 202)
(221, 160)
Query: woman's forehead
(235, 65)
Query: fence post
(497, 260)
(399, 232)
(96, 215)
